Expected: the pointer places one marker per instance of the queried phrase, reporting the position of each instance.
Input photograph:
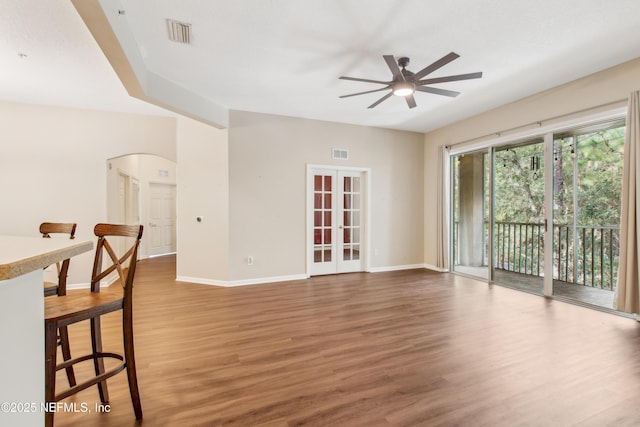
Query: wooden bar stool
(60, 288)
(77, 307)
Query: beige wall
(268, 156)
(598, 89)
(248, 183)
(53, 166)
(203, 190)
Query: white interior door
(336, 223)
(162, 219)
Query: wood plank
(398, 348)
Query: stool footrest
(95, 380)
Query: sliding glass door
(542, 215)
(587, 177)
(470, 185)
(518, 216)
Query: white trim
(549, 167)
(336, 167)
(159, 255)
(83, 286)
(275, 279)
(88, 285)
(245, 282)
(401, 267)
(435, 268)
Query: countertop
(21, 255)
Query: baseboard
(81, 286)
(396, 268)
(245, 282)
(434, 268)
(88, 285)
(258, 281)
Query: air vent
(179, 32)
(340, 154)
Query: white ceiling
(285, 56)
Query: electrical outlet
(249, 260)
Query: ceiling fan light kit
(403, 88)
(405, 83)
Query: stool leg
(66, 354)
(98, 363)
(51, 352)
(130, 360)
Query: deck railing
(519, 247)
(583, 255)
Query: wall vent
(179, 32)
(340, 154)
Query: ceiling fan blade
(355, 79)
(450, 78)
(393, 66)
(411, 101)
(433, 67)
(362, 93)
(381, 99)
(437, 91)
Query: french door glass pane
(327, 218)
(322, 233)
(347, 183)
(351, 211)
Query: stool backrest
(47, 229)
(125, 265)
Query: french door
(336, 220)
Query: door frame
(365, 218)
(547, 281)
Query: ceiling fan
(405, 83)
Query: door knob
(340, 227)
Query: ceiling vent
(179, 32)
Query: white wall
(598, 89)
(203, 190)
(53, 166)
(267, 190)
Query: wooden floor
(598, 297)
(385, 349)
